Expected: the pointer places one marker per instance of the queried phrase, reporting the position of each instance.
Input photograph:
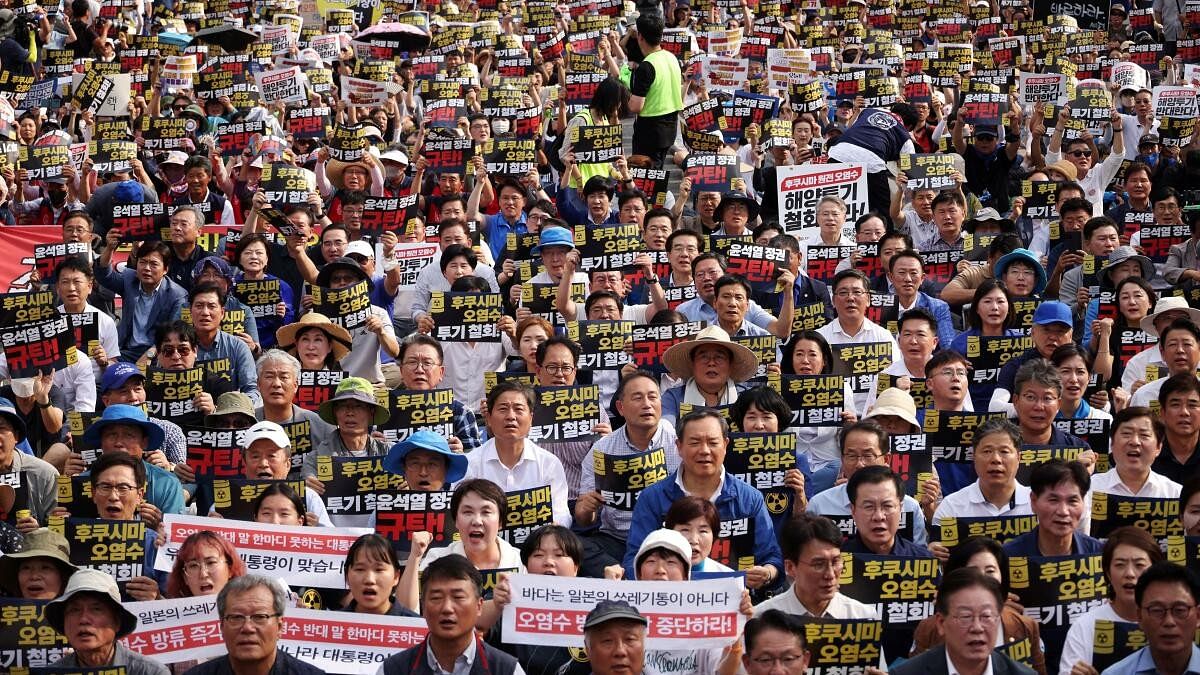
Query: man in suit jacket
(968, 606)
(148, 297)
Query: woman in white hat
(41, 570)
(90, 615)
(711, 367)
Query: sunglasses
(1080, 153)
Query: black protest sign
(111, 155)
(764, 347)
(763, 460)
(1184, 551)
(951, 435)
(47, 257)
(910, 458)
(346, 144)
(579, 89)
(602, 344)
(19, 482)
(652, 182)
(214, 453)
(1157, 516)
(466, 317)
(169, 393)
(917, 386)
(865, 361)
(1157, 240)
(1055, 591)
(75, 495)
(234, 497)
(1089, 14)
(77, 424)
(539, 299)
(940, 266)
(510, 156)
(983, 109)
(1094, 431)
(284, 184)
(262, 296)
(758, 264)
(821, 261)
(1039, 198)
(677, 295)
(815, 400)
(234, 137)
(448, 155)
(842, 645)
(1132, 341)
(598, 144)
(308, 122)
(608, 247)
(317, 386)
(651, 342)
(389, 214)
(91, 91)
(138, 222)
(233, 322)
(744, 110)
(621, 478)
(416, 511)
(733, 545)
(528, 510)
(1091, 104)
(928, 172)
(568, 413)
(1112, 641)
(26, 639)
(166, 133)
(989, 354)
(43, 162)
(27, 308)
(412, 410)
(40, 347)
(275, 218)
(444, 113)
(355, 486)
(954, 531)
(115, 547)
(1034, 455)
(711, 172)
(349, 307)
(902, 588)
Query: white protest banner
(411, 259)
(328, 47)
(725, 42)
(787, 66)
(721, 72)
(178, 71)
(547, 610)
(177, 630)
(1043, 88)
(360, 92)
(1173, 101)
(285, 85)
(801, 187)
(302, 556)
(347, 643)
(279, 37)
(115, 99)
(1129, 75)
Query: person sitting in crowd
(89, 614)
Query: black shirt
(1167, 465)
(85, 38)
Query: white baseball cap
(267, 431)
(360, 247)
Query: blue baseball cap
(1053, 312)
(424, 439)
(554, 236)
(9, 412)
(117, 374)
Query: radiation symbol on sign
(776, 502)
(578, 655)
(312, 599)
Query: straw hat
(1166, 304)
(339, 337)
(678, 359)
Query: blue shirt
(163, 489)
(496, 230)
(1142, 661)
(697, 309)
(142, 312)
(241, 363)
(736, 500)
(1027, 545)
(940, 311)
(574, 210)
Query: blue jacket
(940, 311)
(737, 500)
(1027, 545)
(573, 208)
(165, 307)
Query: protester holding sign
(1164, 589)
(203, 565)
(711, 365)
(352, 411)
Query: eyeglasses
(195, 567)
(122, 489)
(172, 350)
(953, 372)
(1080, 153)
(559, 368)
(850, 294)
(236, 621)
(423, 364)
(787, 660)
(868, 458)
(1178, 611)
(1048, 400)
(824, 565)
(968, 619)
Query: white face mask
(23, 387)
(500, 126)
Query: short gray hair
(833, 199)
(1038, 372)
(278, 356)
(197, 214)
(250, 582)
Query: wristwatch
(652, 280)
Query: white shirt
(535, 468)
(1147, 392)
(465, 366)
(108, 335)
(1136, 368)
(969, 502)
(951, 670)
(510, 557)
(870, 331)
(1082, 636)
(77, 382)
(1157, 486)
(1098, 178)
(840, 607)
